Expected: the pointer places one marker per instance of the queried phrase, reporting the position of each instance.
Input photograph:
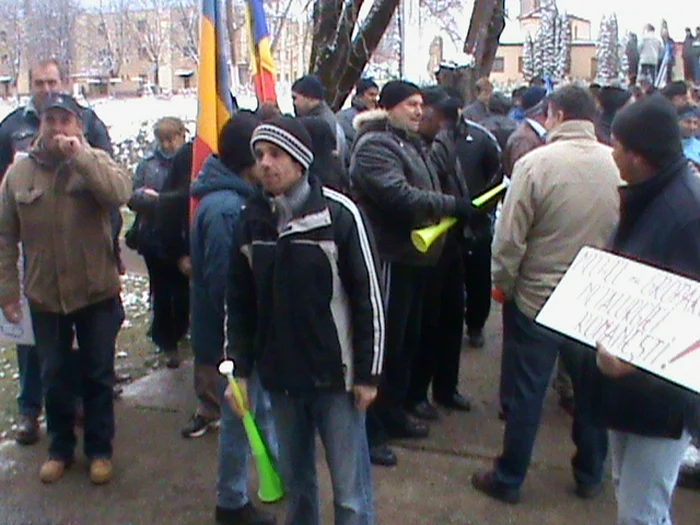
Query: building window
(594, 67)
(499, 65)
(142, 26)
(520, 65)
(3, 36)
(102, 29)
(143, 53)
(575, 32)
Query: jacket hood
(572, 130)
(215, 176)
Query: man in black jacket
(17, 132)
(651, 420)
(305, 310)
(470, 150)
(395, 185)
(443, 321)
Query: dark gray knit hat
(288, 134)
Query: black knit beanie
(288, 134)
(234, 141)
(395, 92)
(650, 128)
(309, 86)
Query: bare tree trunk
(485, 28)
(338, 58)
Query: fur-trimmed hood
(377, 121)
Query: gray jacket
(323, 111)
(346, 118)
(394, 183)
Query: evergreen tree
(608, 51)
(546, 39)
(528, 58)
(563, 66)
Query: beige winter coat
(563, 196)
(59, 212)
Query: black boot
(246, 515)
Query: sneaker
(246, 515)
(27, 430)
(53, 469)
(198, 425)
(101, 471)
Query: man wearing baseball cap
(56, 203)
(305, 310)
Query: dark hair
(499, 104)
(518, 92)
(575, 102)
(234, 141)
(675, 89)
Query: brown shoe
(101, 471)
(52, 470)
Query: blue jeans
(30, 398)
(342, 430)
(234, 450)
(529, 356)
(89, 371)
(645, 471)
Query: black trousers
(170, 290)
(443, 327)
(477, 279)
(64, 377)
(405, 288)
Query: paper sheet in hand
(643, 315)
(18, 334)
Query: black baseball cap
(62, 101)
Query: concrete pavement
(162, 478)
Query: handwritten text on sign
(641, 314)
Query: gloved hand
(464, 210)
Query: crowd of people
(296, 261)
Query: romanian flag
(261, 61)
(215, 103)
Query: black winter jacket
(304, 306)
(659, 225)
(395, 184)
(468, 161)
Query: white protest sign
(643, 315)
(17, 334)
(22, 333)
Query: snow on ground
(126, 116)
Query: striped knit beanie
(288, 134)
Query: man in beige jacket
(563, 196)
(55, 203)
